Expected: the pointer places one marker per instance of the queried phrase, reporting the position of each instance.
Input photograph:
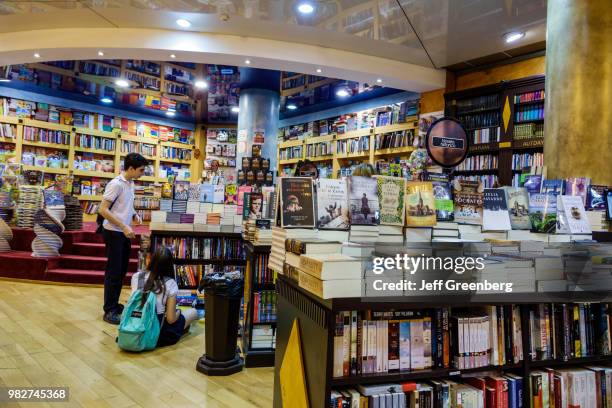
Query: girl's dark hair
(161, 266)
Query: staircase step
(89, 236)
(80, 262)
(67, 275)
(97, 249)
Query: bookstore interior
(345, 238)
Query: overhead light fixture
(342, 92)
(122, 83)
(235, 109)
(379, 81)
(201, 84)
(319, 70)
(291, 106)
(36, 55)
(513, 36)
(172, 56)
(248, 62)
(106, 100)
(100, 53)
(305, 8)
(170, 113)
(181, 22)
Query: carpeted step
(95, 263)
(80, 276)
(97, 249)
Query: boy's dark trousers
(118, 248)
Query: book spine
(446, 349)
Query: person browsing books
(159, 279)
(117, 209)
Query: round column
(578, 122)
(259, 102)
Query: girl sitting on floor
(160, 280)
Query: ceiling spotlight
(305, 8)
(122, 83)
(291, 107)
(342, 93)
(201, 84)
(170, 113)
(36, 55)
(319, 70)
(235, 109)
(183, 23)
(247, 62)
(100, 53)
(106, 100)
(513, 36)
(379, 81)
(172, 56)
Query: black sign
(447, 142)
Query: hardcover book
(552, 187)
(573, 214)
(533, 183)
(468, 201)
(495, 210)
(517, 200)
(443, 195)
(251, 209)
(297, 202)
(543, 212)
(577, 186)
(391, 199)
(420, 204)
(596, 197)
(363, 201)
(332, 204)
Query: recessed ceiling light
(183, 23)
(247, 62)
(100, 53)
(172, 56)
(106, 100)
(379, 81)
(36, 55)
(291, 107)
(122, 83)
(342, 93)
(235, 109)
(5, 80)
(305, 8)
(319, 70)
(513, 36)
(170, 113)
(201, 84)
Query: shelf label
(505, 145)
(454, 372)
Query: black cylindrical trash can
(223, 295)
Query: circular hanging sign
(447, 142)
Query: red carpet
(82, 259)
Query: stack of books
(262, 237)
(279, 235)
(446, 232)
(598, 221)
(248, 230)
(390, 234)
(364, 233)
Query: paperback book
(573, 214)
(230, 194)
(495, 211)
(577, 186)
(596, 197)
(297, 202)
(206, 193)
(420, 204)
(391, 198)
(181, 190)
(332, 204)
(468, 201)
(552, 187)
(252, 206)
(517, 200)
(543, 212)
(533, 183)
(443, 195)
(363, 201)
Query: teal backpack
(139, 327)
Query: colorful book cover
(495, 210)
(240, 193)
(194, 192)
(363, 201)
(596, 197)
(332, 204)
(53, 197)
(517, 200)
(420, 204)
(533, 183)
(253, 203)
(297, 202)
(181, 190)
(269, 202)
(218, 193)
(391, 192)
(577, 186)
(443, 194)
(552, 187)
(574, 214)
(230, 194)
(467, 196)
(543, 212)
(206, 193)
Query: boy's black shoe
(112, 318)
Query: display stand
(316, 319)
(254, 357)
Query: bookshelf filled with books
(504, 121)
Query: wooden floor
(54, 336)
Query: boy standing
(117, 208)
